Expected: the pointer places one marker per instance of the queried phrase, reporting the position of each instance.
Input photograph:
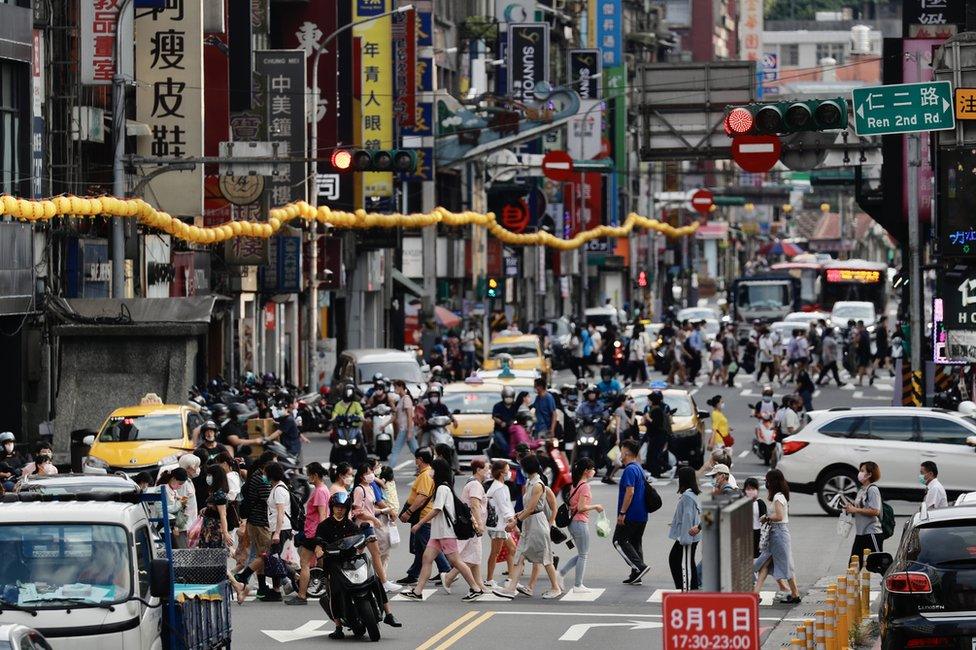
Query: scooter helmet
(339, 500)
(508, 393)
(209, 425)
(524, 417)
(591, 390)
(435, 389)
(606, 373)
(581, 384)
(348, 392)
(220, 410)
(7, 436)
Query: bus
(808, 273)
(854, 280)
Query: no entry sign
(558, 165)
(756, 153)
(696, 621)
(702, 201)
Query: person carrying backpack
(867, 511)
(445, 519)
(632, 510)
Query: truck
(98, 570)
(763, 296)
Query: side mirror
(160, 584)
(702, 415)
(879, 562)
(971, 441)
(88, 441)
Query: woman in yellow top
(721, 431)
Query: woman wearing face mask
(364, 514)
(217, 524)
(342, 476)
(721, 431)
(403, 421)
(473, 496)
(316, 511)
(580, 506)
(42, 464)
(686, 532)
(778, 553)
(866, 510)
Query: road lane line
(587, 597)
(464, 630)
(447, 630)
(403, 464)
(745, 453)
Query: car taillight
(908, 582)
(933, 642)
(793, 446)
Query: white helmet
(967, 408)
(7, 436)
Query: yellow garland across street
(74, 206)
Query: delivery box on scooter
(260, 427)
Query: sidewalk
(779, 634)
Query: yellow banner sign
(966, 103)
(376, 96)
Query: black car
(928, 596)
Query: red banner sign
(700, 621)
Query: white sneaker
(491, 584)
(391, 587)
(525, 591)
(445, 583)
(582, 589)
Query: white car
(824, 456)
(698, 313)
(807, 317)
(855, 310)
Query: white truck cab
(82, 572)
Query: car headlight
(95, 462)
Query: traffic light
(494, 289)
(777, 118)
(374, 160)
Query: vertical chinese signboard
(584, 73)
(97, 40)
(169, 98)
(750, 30)
(282, 75)
(405, 67)
(376, 85)
(606, 30)
(528, 58)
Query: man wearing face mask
(10, 461)
(935, 494)
(503, 415)
(288, 431)
(208, 440)
(229, 432)
(766, 408)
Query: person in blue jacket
(686, 532)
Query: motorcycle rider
(10, 461)
(435, 407)
(348, 404)
(766, 407)
(336, 527)
(208, 440)
(608, 385)
(503, 415)
(376, 396)
(379, 384)
(229, 432)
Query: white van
(86, 573)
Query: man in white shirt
(790, 423)
(935, 494)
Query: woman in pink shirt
(364, 514)
(580, 506)
(316, 511)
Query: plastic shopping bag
(602, 525)
(193, 535)
(845, 524)
(394, 535)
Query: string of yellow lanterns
(109, 206)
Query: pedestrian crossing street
(880, 391)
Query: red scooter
(556, 466)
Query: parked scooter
(355, 604)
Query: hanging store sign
(584, 73)
(405, 67)
(169, 99)
(528, 59)
(282, 74)
(97, 41)
(750, 30)
(376, 88)
(606, 30)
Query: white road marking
(765, 597)
(306, 631)
(858, 394)
(580, 598)
(402, 465)
(576, 632)
(745, 453)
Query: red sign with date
(711, 621)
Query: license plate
(468, 446)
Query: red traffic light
(739, 121)
(341, 159)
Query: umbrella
(446, 318)
(781, 248)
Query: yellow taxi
(525, 351)
(687, 422)
(471, 401)
(139, 438)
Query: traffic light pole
(914, 257)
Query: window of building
(833, 50)
(789, 55)
(12, 81)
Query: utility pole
(118, 167)
(914, 256)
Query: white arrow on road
(576, 632)
(307, 631)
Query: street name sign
(903, 108)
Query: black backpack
(297, 512)
(461, 522)
(491, 518)
(652, 500)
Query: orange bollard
(865, 594)
(830, 621)
(819, 638)
(854, 597)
